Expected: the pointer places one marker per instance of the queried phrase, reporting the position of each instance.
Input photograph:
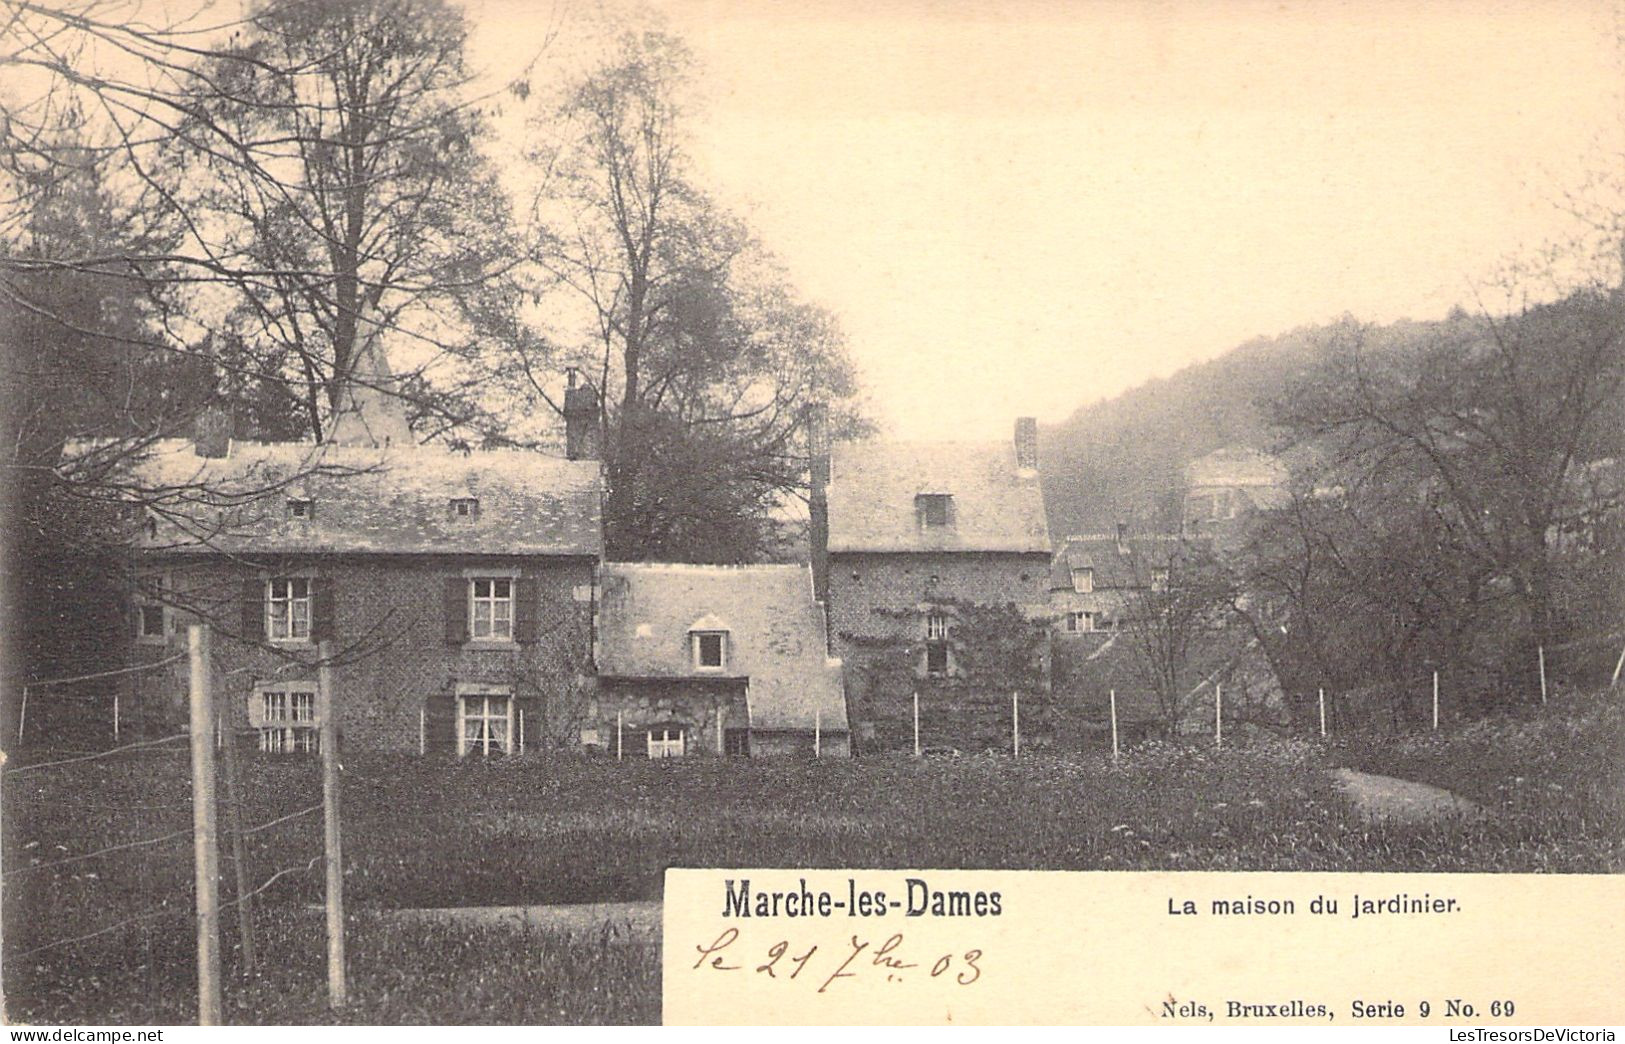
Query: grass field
(557, 830)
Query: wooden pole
(115, 719)
(205, 849)
(818, 732)
(333, 843)
(1015, 724)
(720, 748)
(1541, 650)
(1114, 724)
(916, 724)
(22, 716)
(618, 716)
(234, 820)
(521, 730)
(1435, 701)
(1323, 713)
(1218, 715)
(1617, 667)
(423, 731)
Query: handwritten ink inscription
(857, 957)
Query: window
(1083, 580)
(1080, 622)
(736, 743)
(151, 617)
(287, 609)
(302, 509)
(465, 508)
(484, 724)
(1159, 579)
(666, 741)
(933, 508)
(936, 644)
(287, 720)
(491, 609)
(709, 650)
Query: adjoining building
(713, 659)
(916, 532)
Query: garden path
(637, 922)
(1384, 798)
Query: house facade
(453, 590)
(917, 535)
(702, 659)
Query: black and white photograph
(466, 458)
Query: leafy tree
(704, 359)
(364, 216)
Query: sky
(1020, 208)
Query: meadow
(94, 936)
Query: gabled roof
(873, 486)
(1117, 565)
(776, 636)
(1233, 466)
(395, 500)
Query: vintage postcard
(921, 512)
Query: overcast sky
(1022, 207)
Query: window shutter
(322, 621)
(456, 610)
(525, 593)
(254, 610)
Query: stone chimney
(1027, 443)
(211, 432)
(582, 430)
(818, 497)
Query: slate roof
(395, 500)
(1115, 568)
(776, 635)
(873, 486)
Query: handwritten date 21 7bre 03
(827, 966)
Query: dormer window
(1083, 580)
(302, 509)
(934, 509)
(710, 649)
(465, 508)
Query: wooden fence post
(1015, 724)
(818, 731)
(1435, 701)
(618, 716)
(1617, 666)
(1323, 713)
(1114, 723)
(916, 723)
(239, 860)
(115, 719)
(205, 849)
(22, 715)
(1540, 650)
(1218, 716)
(332, 841)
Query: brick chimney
(818, 497)
(211, 432)
(1027, 443)
(582, 432)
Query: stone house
(713, 659)
(911, 533)
(455, 590)
(1227, 488)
